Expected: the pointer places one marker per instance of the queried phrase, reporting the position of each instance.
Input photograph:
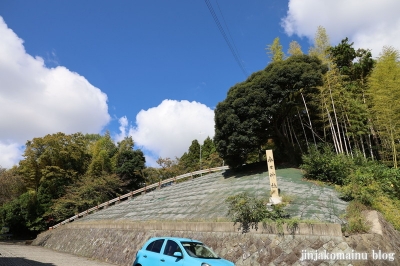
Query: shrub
(390, 182)
(249, 211)
(324, 165)
(292, 224)
(22, 215)
(366, 183)
(390, 208)
(377, 186)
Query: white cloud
(36, 100)
(370, 24)
(123, 124)
(168, 129)
(10, 154)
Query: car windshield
(199, 250)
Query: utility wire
(230, 36)
(221, 30)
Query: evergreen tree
(129, 165)
(190, 160)
(258, 109)
(209, 154)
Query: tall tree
(209, 154)
(50, 165)
(294, 48)
(275, 51)
(384, 91)
(57, 151)
(190, 160)
(321, 45)
(257, 109)
(84, 194)
(344, 91)
(129, 164)
(168, 168)
(65, 174)
(354, 65)
(102, 151)
(11, 185)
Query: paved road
(14, 254)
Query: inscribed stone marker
(272, 178)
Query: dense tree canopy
(355, 65)
(62, 174)
(11, 185)
(200, 156)
(129, 164)
(256, 109)
(56, 154)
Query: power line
(230, 36)
(222, 31)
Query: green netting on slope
(203, 199)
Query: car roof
(181, 239)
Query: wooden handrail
(137, 191)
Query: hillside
(203, 198)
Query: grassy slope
(203, 198)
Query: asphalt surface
(19, 254)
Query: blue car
(172, 251)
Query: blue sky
(152, 69)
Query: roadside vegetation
(368, 183)
(61, 175)
(248, 212)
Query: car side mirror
(178, 254)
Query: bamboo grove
(335, 95)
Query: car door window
(198, 250)
(155, 246)
(171, 247)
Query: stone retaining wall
(118, 242)
(320, 229)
